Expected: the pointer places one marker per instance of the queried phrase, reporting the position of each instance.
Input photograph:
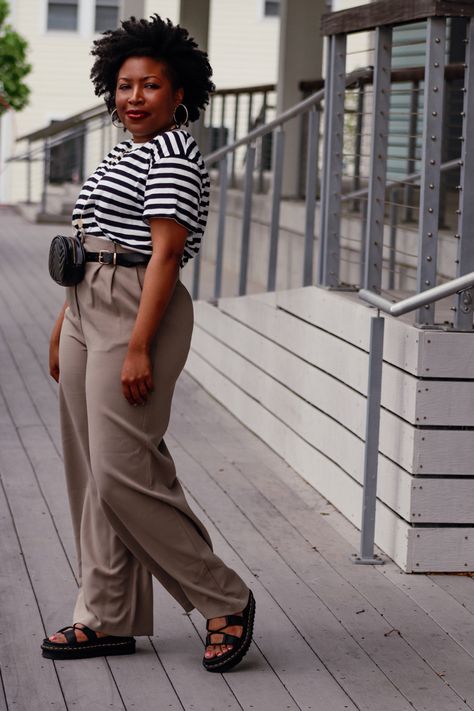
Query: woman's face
(145, 98)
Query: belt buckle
(106, 251)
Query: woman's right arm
(54, 345)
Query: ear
(179, 96)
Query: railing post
(325, 171)
(430, 163)
(236, 128)
(311, 184)
(378, 160)
(276, 202)
(46, 168)
(196, 276)
(358, 141)
(329, 272)
(371, 450)
(221, 225)
(28, 174)
(246, 218)
(465, 255)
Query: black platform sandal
(240, 645)
(94, 646)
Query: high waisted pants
(130, 517)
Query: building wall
(242, 46)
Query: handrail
(454, 286)
(300, 108)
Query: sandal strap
(69, 634)
(230, 621)
(90, 634)
(226, 638)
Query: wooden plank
(386, 12)
(28, 681)
(88, 683)
(343, 656)
(300, 506)
(179, 651)
(370, 629)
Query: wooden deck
(329, 635)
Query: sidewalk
(329, 635)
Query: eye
(151, 85)
(123, 86)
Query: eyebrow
(150, 76)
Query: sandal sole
(85, 651)
(226, 663)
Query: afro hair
(187, 66)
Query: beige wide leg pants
(130, 517)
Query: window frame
(74, 3)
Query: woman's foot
(229, 638)
(78, 642)
(60, 638)
(217, 623)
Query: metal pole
(358, 142)
(325, 171)
(276, 202)
(28, 175)
(335, 149)
(412, 140)
(465, 253)
(311, 178)
(378, 160)
(431, 161)
(46, 163)
(221, 225)
(196, 275)
(246, 217)
(371, 451)
(234, 153)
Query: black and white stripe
(165, 177)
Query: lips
(137, 115)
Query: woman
(117, 348)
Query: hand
(54, 357)
(136, 377)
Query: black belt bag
(67, 259)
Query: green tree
(14, 92)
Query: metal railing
(310, 106)
(463, 287)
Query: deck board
(314, 648)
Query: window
(106, 15)
(62, 15)
(271, 8)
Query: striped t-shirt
(164, 177)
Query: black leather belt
(117, 258)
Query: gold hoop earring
(178, 124)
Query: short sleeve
(173, 190)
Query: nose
(136, 95)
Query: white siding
(243, 45)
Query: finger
(149, 382)
(136, 396)
(126, 393)
(143, 390)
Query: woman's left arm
(161, 275)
